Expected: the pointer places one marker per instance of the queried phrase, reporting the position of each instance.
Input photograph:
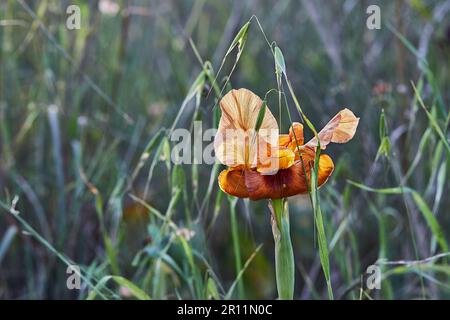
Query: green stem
(236, 247)
(284, 255)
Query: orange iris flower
(264, 164)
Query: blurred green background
(85, 170)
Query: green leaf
(432, 120)
(239, 276)
(111, 252)
(134, 290)
(441, 182)
(420, 151)
(236, 243)
(212, 289)
(279, 61)
(47, 245)
(423, 63)
(284, 254)
(421, 204)
(261, 114)
(433, 224)
(321, 237)
(395, 190)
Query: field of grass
(86, 173)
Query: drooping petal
(232, 181)
(284, 183)
(326, 167)
(236, 142)
(340, 129)
(287, 182)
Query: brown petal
(287, 182)
(284, 183)
(232, 181)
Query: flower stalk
(284, 255)
(236, 246)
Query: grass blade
(123, 282)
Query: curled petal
(340, 129)
(232, 181)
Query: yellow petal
(282, 158)
(284, 140)
(340, 129)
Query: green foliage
(85, 171)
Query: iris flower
(263, 164)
